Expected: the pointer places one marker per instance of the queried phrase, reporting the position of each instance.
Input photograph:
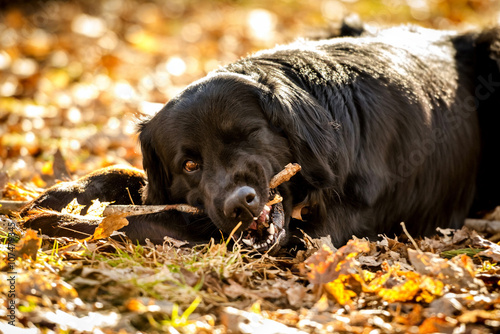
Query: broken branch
(7, 207)
(147, 209)
(290, 170)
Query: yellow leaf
(400, 286)
(337, 289)
(73, 207)
(430, 289)
(255, 308)
(400, 293)
(322, 304)
(38, 181)
(96, 209)
(47, 168)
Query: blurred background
(75, 76)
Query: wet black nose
(242, 203)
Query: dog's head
(218, 144)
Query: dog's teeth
(247, 242)
(267, 218)
(271, 229)
(267, 208)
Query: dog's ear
(156, 190)
(313, 134)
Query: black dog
(386, 127)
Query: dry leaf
(28, 245)
(237, 321)
(73, 207)
(326, 266)
(109, 225)
(458, 271)
(494, 215)
(437, 325)
(394, 285)
(96, 209)
(493, 250)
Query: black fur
(386, 127)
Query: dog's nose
(242, 202)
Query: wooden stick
(290, 170)
(285, 175)
(7, 207)
(147, 209)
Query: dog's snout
(242, 202)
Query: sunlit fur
(385, 127)
(390, 126)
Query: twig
(410, 237)
(233, 232)
(7, 207)
(290, 170)
(147, 209)
(276, 199)
(283, 176)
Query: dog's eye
(190, 166)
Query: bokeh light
(70, 69)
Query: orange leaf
(436, 325)
(325, 266)
(28, 245)
(400, 286)
(338, 290)
(109, 225)
(136, 305)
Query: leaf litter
(221, 287)
(75, 76)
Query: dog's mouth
(267, 230)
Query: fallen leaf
(338, 288)
(296, 294)
(96, 209)
(394, 285)
(493, 215)
(478, 316)
(326, 266)
(109, 225)
(238, 321)
(73, 207)
(28, 245)
(492, 251)
(437, 325)
(459, 271)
